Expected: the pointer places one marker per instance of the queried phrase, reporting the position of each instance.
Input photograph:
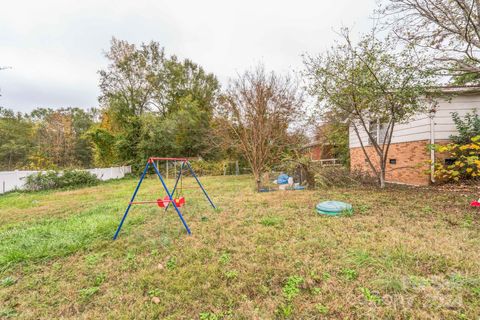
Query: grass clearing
(404, 253)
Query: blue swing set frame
(151, 162)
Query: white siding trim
(418, 128)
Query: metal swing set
(177, 201)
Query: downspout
(432, 142)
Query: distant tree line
(46, 138)
(152, 103)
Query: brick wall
(411, 162)
(319, 152)
(316, 153)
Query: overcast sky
(55, 48)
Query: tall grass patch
(58, 237)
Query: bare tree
(55, 138)
(258, 109)
(450, 29)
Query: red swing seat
(162, 203)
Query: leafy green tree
(82, 121)
(46, 138)
(60, 136)
(466, 78)
(187, 80)
(104, 152)
(182, 133)
(336, 134)
(16, 139)
(127, 81)
(192, 127)
(371, 81)
(154, 104)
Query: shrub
(42, 181)
(466, 164)
(77, 178)
(217, 168)
(467, 128)
(317, 175)
(364, 177)
(208, 168)
(55, 180)
(335, 176)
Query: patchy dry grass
(404, 253)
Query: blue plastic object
(282, 179)
(266, 190)
(299, 188)
(333, 208)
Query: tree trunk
(382, 175)
(258, 181)
(382, 181)
(309, 176)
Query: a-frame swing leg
(200, 184)
(171, 199)
(130, 203)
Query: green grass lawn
(404, 253)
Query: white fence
(11, 180)
(328, 162)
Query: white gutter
(432, 142)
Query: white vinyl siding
(418, 128)
(373, 129)
(353, 139)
